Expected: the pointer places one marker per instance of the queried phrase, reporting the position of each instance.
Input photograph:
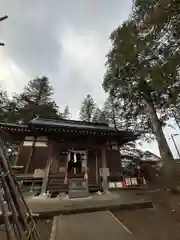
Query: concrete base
(78, 194)
(49, 207)
(113, 201)
(107, 192)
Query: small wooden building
(63, 150)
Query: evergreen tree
(11, 113)
(7, 114)
(3, 105)
(36, 100)
(142, 72)
(159, 21)
(121, 115)
(87, 109)
(99, 116)
(66, 113)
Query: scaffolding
(18, 219)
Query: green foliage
(88, 109)
(11, 113)
(140, 66)
(143, 71)
(159, 22)
(161, 19)
(123, 76)
(36, 100)
(39, 90)
(112, 111)
(99, 116)
(3, 105)
(66, 113)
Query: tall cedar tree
(163, 17)
(6, 115)
(99, 116)
(36, 100)
(88, 109)
(142, 72)
(8, 108)
(3, 105)
(66, 114)
(116, 117)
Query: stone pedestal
(78, 188)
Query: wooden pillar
(47, 170)
(67, 162)
(104, 168)
(97, 168)
(31, 154)
(18, 153)
(85, 163)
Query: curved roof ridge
(34, 120)
(4, 124)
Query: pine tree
(36, 100)
(99, 116)
(66, 114)
(87, 109)
(11, 113)
(3, 105)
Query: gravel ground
(43, 226)
(162, 222)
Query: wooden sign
(104, 172)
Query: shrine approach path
(96, 225)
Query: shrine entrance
(77, 163)
(77, 174)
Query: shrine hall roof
(75, 126)
(71, 124)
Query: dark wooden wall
(39, 159)
(91, 163)
(113, 162)
(58, 159)
(23, 156)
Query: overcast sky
(64, 40)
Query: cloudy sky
(64, 40)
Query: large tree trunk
(169, 175)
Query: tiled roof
(3, 124)
(81, 126)
(11, 127)
(71, 124)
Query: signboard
(78, 188)
(104, 172)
